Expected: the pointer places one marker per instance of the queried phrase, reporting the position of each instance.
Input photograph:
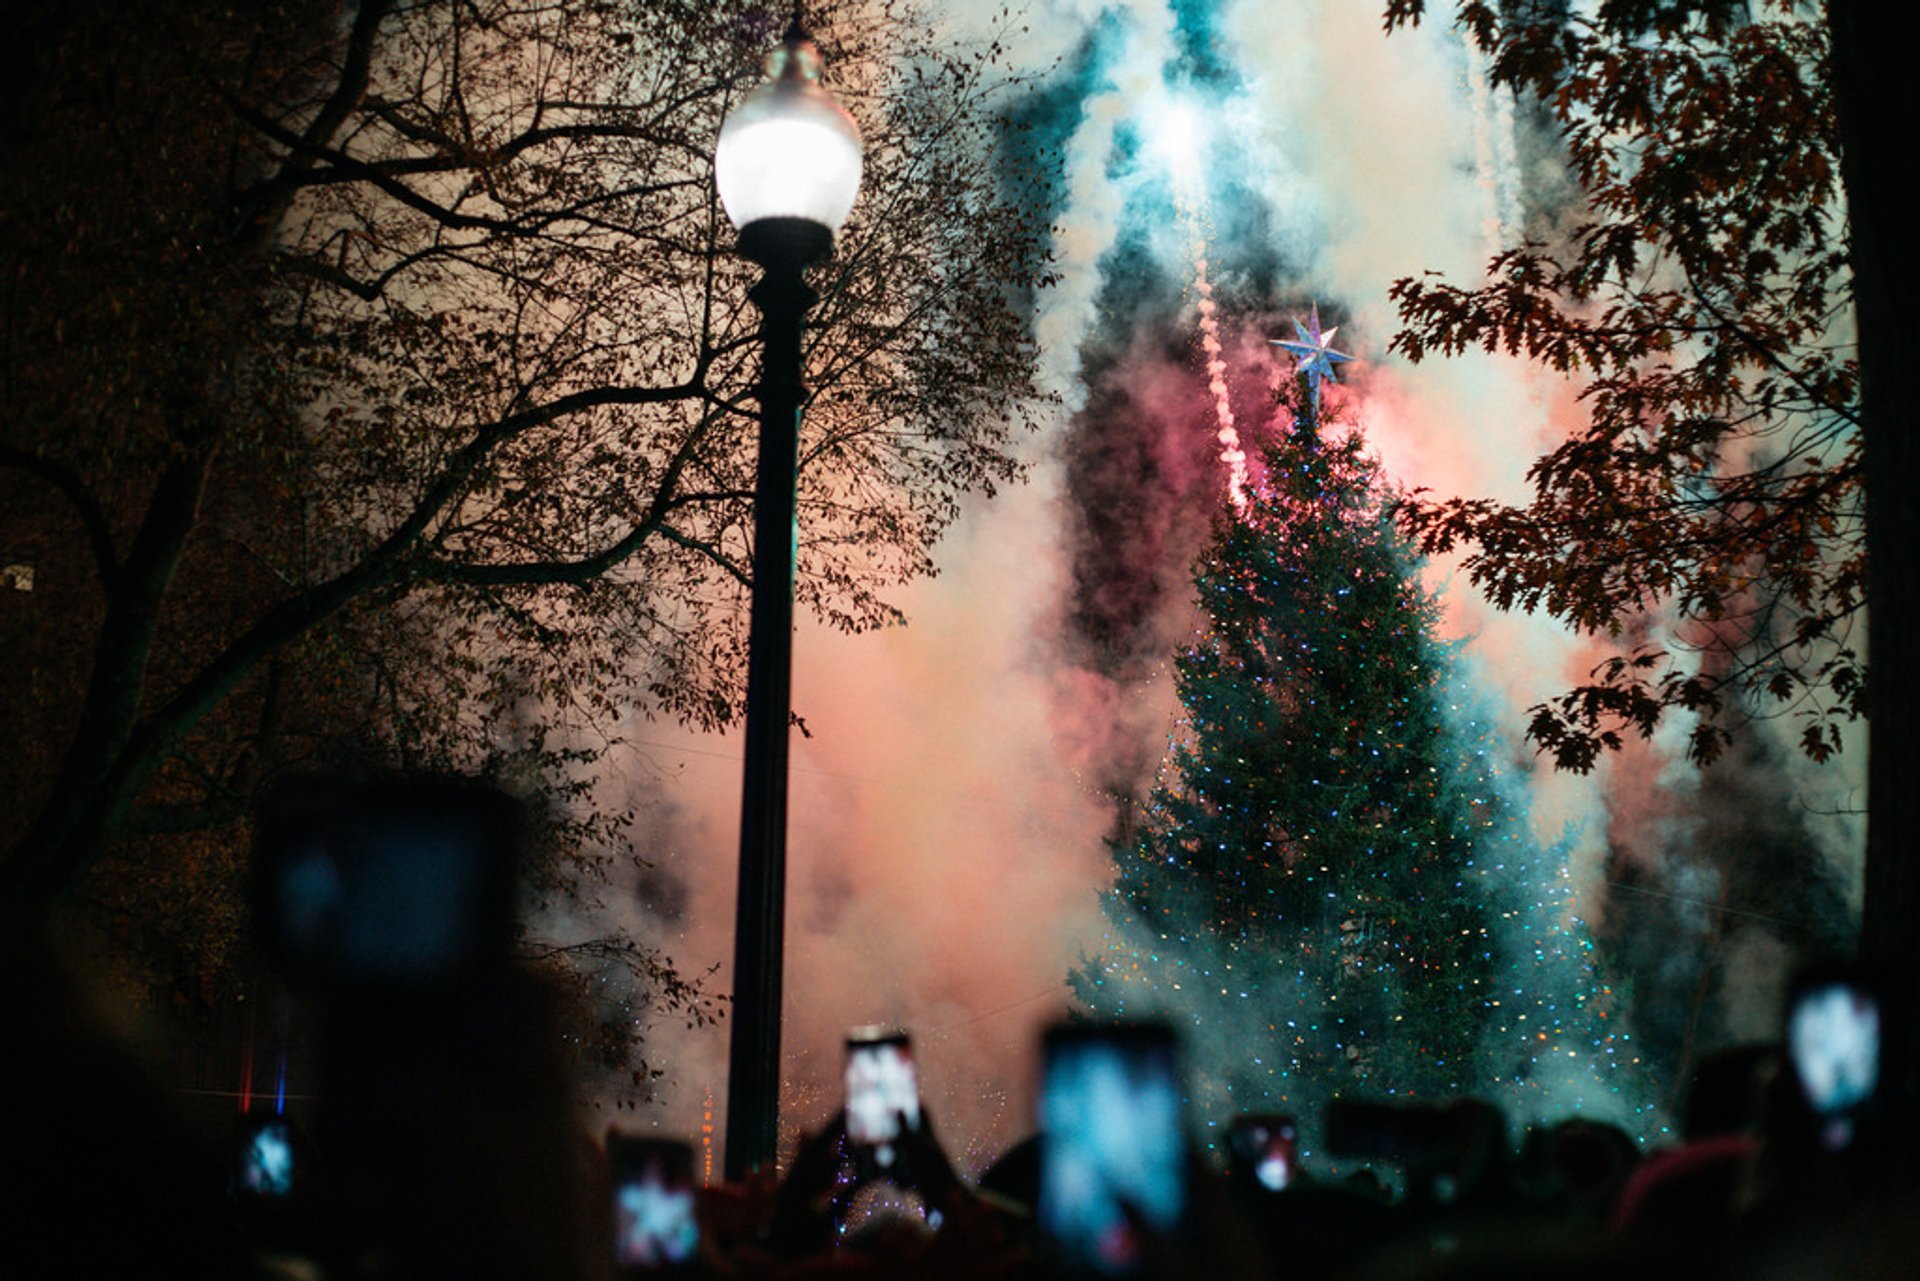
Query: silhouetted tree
(377, 380)
(1747, 462)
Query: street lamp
(788, 169)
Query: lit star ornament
(1313, 358)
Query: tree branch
(341, 167)
(75, 491)
(260, 205)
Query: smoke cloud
(950, 800)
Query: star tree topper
(1312, 357)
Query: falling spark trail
(1189, 202)
(1493, 152)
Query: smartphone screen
(655, 1227)
(1113, 1143)
(1833, 1038)
(1263, 1150)
(882, 1090)
(266, 1165)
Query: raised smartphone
(655, 1227)
(1113, 1167)
(882, 1091)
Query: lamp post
(788, 169)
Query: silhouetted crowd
(442, 1144)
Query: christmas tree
(1331, 890)
(1552, 1040)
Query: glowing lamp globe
(789, 150)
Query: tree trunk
(106, 764)
(1875, 86)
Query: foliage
(378, 382)
(1330, 889)
(1701, 297)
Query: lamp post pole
(782, 247)
(788, 169)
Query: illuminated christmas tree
(1331, 890)
(1552, 1041)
